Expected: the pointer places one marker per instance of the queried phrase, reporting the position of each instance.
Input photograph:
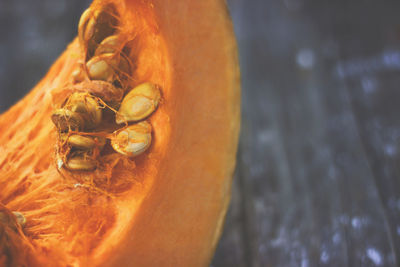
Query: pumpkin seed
(65, 120)
(139, 103)
(80, 163)
(82, 142)
(106, 67)
(112, 44)
(87, 106)
(83, 30)
(77, 75)
(132, 140)
(99, 68)
(95, 26)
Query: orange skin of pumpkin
(173, 214)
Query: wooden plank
(372, 77)
(313, 178)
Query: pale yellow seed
(96, 25)
(90, 29)
(82, 27)
(81, 142)
(132, 140)
(111, 44)
(85, 142)
(65, 120)
(139, 103)
(77, 75)
(87, 106)
(80, 163)
(107, 67)
(101, 67)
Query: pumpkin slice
(164, 207)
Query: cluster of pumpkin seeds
(107, 67)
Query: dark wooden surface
(317, 181)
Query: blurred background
(317, 180)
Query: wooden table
(317, 181)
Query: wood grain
(317, 177)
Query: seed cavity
(102, 97)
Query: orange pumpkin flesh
(163, 208)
